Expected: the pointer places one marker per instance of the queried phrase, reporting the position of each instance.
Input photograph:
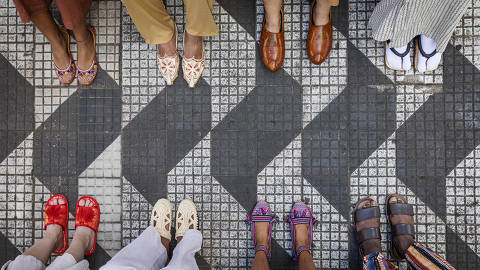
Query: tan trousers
(156, 25)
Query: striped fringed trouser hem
(376, 261)
(418, 257)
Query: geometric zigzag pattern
(326, 134)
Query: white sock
(428, 64)
(395, 61)
(429, 45)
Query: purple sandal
(301, 214)
(261, 213)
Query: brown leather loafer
(272, 47)
(319, 41)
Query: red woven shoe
(57, 214)
(88, 216)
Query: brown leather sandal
(402, 208)
(363, 214)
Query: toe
(61, 201)
(82, 202)
(89, 203)
(54, 201)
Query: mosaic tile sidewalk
(327, 134)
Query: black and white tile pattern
(327, 134)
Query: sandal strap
(302, 220)
(300, 250)
(260, 218)
(367, 213)
(397, 53)
(402, 229)
(400, 209)
(264, 249)
(367, 234)
(420, 48)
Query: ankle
(165, 243)
(84, 237)
(59, 42)
(262, 243)
(303, 243)
(52, 236)
(321, 14)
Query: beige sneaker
(186, 217)
(161, 218)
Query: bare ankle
(165, 243)
(321, 13)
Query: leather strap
(367, 213)
(407, 51)
(367, 234)
(402, 229)
(400, 209)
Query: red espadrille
(57, 214)
(88, 216)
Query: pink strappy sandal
(261, 213)
(67, 75)
(86, 77)
(301, 214)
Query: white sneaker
(426, 56)
(398, 58)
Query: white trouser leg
(184, 253)
(24, 262)
(28, 262)
(144, 253)
(67, 262)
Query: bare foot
(86, 51)
(321, 12)
(55, 231)
(371, 245)
(301, 235)
(86, 234)
(273, 19)
(180, 224)
(169, 48)
(60, 51)
(261, 234)
(193, 46)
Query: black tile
(16, 108)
